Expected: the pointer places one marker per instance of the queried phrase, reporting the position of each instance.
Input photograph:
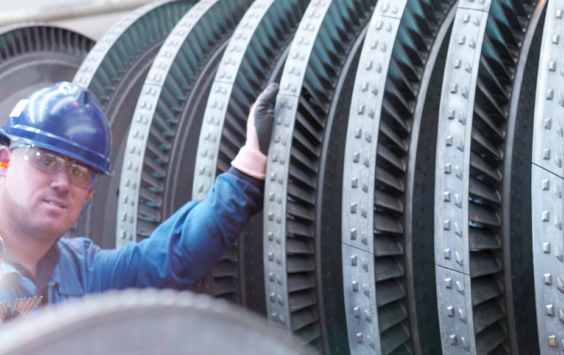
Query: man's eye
(77, 171)
(49, 161)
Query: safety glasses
(49, 162)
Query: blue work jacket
(179, 252)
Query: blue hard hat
(63, 118)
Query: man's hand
(251, 159)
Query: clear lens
(51, 163)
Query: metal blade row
(484, 102)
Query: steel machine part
(303, 300)
(161, 147)
(255, 57)
(143, 322)
(546, 188)
(387, 173)
(482, 262)
(115, 71)
(33, 56)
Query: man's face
(38, 203)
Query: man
(59, 143)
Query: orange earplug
(88, 196)
(4, 165)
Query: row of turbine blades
(403, 134)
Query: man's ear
(5, 156)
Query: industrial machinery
(170, 322)
(413, 197)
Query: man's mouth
(55, 204)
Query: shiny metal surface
(131, 190)
(381, 118)
(238, 81)
(315, 77)
(49, 55)
(358, 219)
(481, 97)
(169, 323)
(546, 187)
(114, 71)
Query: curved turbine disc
(546, 186)
(115, 71)
(385, 248)
(263, 37)
(33, 56)
(162, 144)
(143, 322)
(483, 288)
(317, 75)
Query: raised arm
(187, 245)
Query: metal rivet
(356, 157)
(546, 248)
(458, 200)
(354, 260)
(547, 123)
(447, 253)
(458, 258)
(462, 117)
(446, 224)
(558, 253)
(458, 172)
(465, 344)
(460, 287)
(367, 316)
(545, 216)
(457, 229)
(545, 184)
(549, 310)
(462, 315)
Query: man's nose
(61, 180)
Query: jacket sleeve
(184, 247)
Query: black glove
(264, 116)
(251, 159)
